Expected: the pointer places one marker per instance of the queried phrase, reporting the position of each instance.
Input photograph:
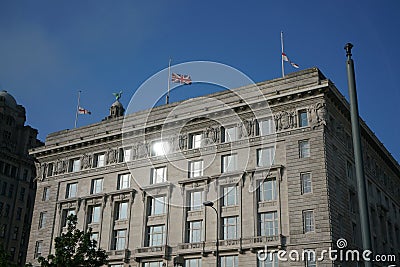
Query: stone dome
(7, 99)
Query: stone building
(17, 173)
(275, 159)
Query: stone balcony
(151, 252)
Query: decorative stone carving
(249, 126)
(61, 166)
(182, 141)
(317, 113)
(86, 159)
(143, 150)
(112, 156)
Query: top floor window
(125, 154)
(265, 126)
(99, 160)
(72, 189)
(303, 118)
(196, 140)
(231, 134)
(75, 165)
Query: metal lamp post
(211, 205)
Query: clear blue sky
(50, 49)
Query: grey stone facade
(302, 199)
(17, 173)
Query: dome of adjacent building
(7, 99)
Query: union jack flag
(181, 78)
(83, 111)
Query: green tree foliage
(5, 258)
(74, 249)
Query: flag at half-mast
(285, 58)
(83, 111)
(181, 78)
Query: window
(156, 235)
(196, 200)
(75, 165)
(270, 261)
(196, 140)
(12, 253)
(195, 168)
(158, 175)
(230, 196)
(19, 213)
(94, 214)
(10, 190)
(269, 223)
(267, 190)
(229, 163)
(66, 213)
(71, 190)
(22, 194)
(119, 239)
(157, 205)
(99, 160)
(97, 186)
(4, 189)
(94, 237)
(304, 149)
(123, 181)
(3, 230)
(265, 156)
(265, 127)
(15, 233)
(46, 194)
(229, 261)
(194, 231)
(193, 262)
(121, 210)
(305, 183)
(159, 148)
(38, 249)
(309, 258)
(349, 170)
(50, 168)
(126, 154)
(303, 118)
(308, 221)
(153, 264)
(230, 134)
(230, 227)
(42, 219)
(7, 211)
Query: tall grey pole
(355, 127)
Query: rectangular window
(269, 223)
(42, 219)
(308, 221)
(99, 160)
(15, 233)
(1, 208)
(22, 194)
(156, 235)
(153, 264)
(4, 189)
(126, 154)
(7, 211)
(65, 214)
(75, 165)
(196, 140)
(194, 231)
(196, 200)
(123, 181)
(265, 156)
(157, 205)
(19, 213)
(158, 175)
(38, 249)
(195, 168)
(309, 258)
(303, 118)
(265, 127)
(97, 186)
(270, 261)
(120, 239)
(230, 196)
(10, 190)
(159, 148)
(350, 170)
(122, 210)
(193, 262)
(46, 194)
(229, 163)
(231, 134)
(94, 214)
(304, 149)
(230, 227)
(71, 190)
(267, 190)
(306, 186)
(3, 230)
(50, 168)
(94, 237)
(229, 261)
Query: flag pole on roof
(169, 75)
(285, 58)
(79, 109)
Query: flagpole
(169, 75)
(283, 65)
(77, 108)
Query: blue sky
(51, 49)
